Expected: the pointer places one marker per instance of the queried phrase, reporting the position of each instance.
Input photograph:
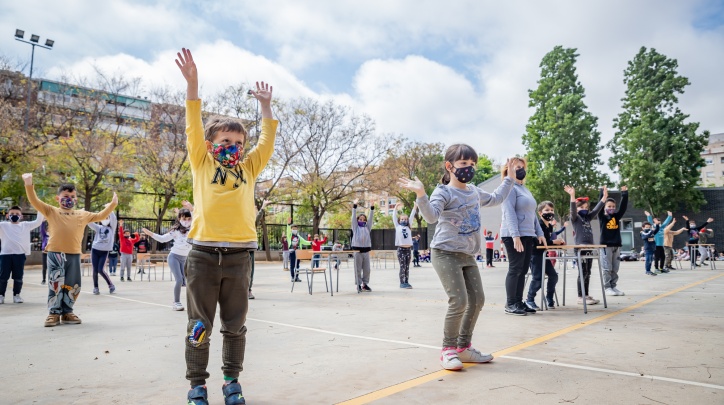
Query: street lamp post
(19, 35)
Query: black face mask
(14, 218)
(548, 216)
(464, 174)
(520, 173)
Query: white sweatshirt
(180, 245)
(16, 237)
(403, 234)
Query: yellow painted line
(406, 385)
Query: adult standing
(519, 230)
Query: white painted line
(608, 371)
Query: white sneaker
(177, 306)
(17, 299)
(611, 291)
(580, 301)
(2, 299)
(471, 355)
(96, 291)
(591, 301)
(618, 292)
(450, 360)
(251, 296)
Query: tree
(561, 139)
(485, 169)
(338, 151)
(657, 153)
(162, 157)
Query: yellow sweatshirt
(224, 208)
(68, 225)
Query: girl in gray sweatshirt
(455, 207)
(362, 243)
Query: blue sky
(454, 71)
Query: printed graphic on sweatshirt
(222, 175)
(612, 224)
(470, 219)
(405, 232)
(104, 234)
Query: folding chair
(85, 264)
(143, 260)
(305, 257)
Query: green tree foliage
(562, 139)
(485, 169)
(657, 153)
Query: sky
(432, 71)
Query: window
(709, 174)
(382, 203)
(709, 161)
(721, 159)
(390, 212)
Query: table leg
(542, 282)
(600, 274)
(565, 270)
(692, 257)
(580, 278)
(331, 282)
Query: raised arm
(167, 237)
(624, 203)
(39, 206)
(669, 218)
(496, 197)
(371, 217)
(195, 142)
(114, 220)
(394, 216)
(354, 215)
(106, 212)
(258, 158)
(35, 223)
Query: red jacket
(317, 244)
(127, 244)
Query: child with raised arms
(15, 237)
(102, 245)
(455, 206)
(218, 268)
(403, 241)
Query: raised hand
(669, 213)
(685, 217)
(265, 203)
(28, 179)
(415, 186)
(605, 193)
(355, 201)
(398, 206)
(673, 220)
(648, 214)
(146, 231)
(121, 222)
(571, 191)
(710, 220)
(624, 188)
(511, 172)
(185, 62)
(263, 93)
(115, 198)
(187, 205)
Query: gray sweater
(103, 240)
(457, 213)
(519, 214)
(361, 235)
(582, 232)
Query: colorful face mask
(464, 174)
(67, 202)
(548, 216)
(610, 211)
(227, 156)
(362, 224)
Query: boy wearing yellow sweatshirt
(223, 233)
(64, 247)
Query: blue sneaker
(403, 285)
(232, 393)
(531, 304)
(408, 286)
(197, 396)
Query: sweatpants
(704, 253)
(536, 282)
(12, 265)
(216, 276)
(669, 256)
(460, 277)
(586, 265)
(610, 261)
(659, 258)
(251, 259)
(489, 257)
(285, 259)
(403, 256)
(63, 282)
(126, 261)
(362, 267)
(98, 259)
(517, 268)
(416, 257)
(176, 264)
(45, 265)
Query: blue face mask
(583, 212)
(362, 224)
(404, 223)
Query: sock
(229, 380)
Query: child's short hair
(645, 223)
(545, 204)
(69, 187)
(15, 208)
(361, 215)
(609, 199)
(225, 124)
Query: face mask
(583, 212)
(14, 218)
(186, 223)
(128, 236)
(404, 223)
(548, 216)
(610, 211)
(294, 232)
(647, 229)
(520, 174)
(362, 224)
(464, 174)
(67, 202)
(105, 222)
(227, 156)
(692, 225)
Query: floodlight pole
(30, 78)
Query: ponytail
(445, 177)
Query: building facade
(712, 174)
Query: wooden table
(692, 254)
(330, 254)
(565, 258)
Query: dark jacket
(649, 238)
(611, 224)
